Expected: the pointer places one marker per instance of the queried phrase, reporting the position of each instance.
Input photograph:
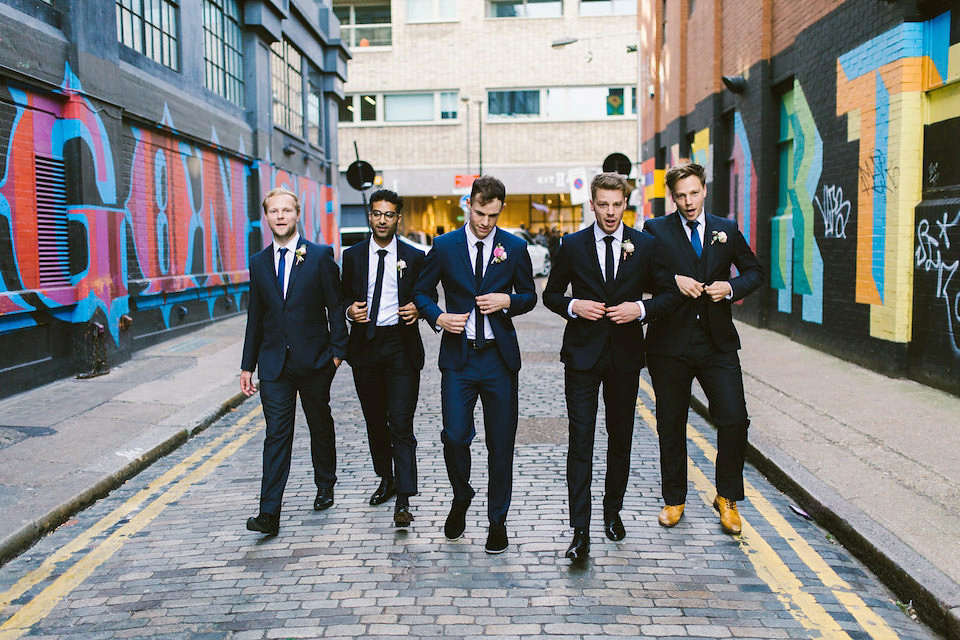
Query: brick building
(136, 141)
(826, 128)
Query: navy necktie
(282, 270)
(609, 264)
(478, 274)
(377, 290)
(695, 237)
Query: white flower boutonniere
(626, 249)
(401, 265)
(499, 254)
(300, 253)
(719, 236)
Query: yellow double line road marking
(172, 488)
(769, 566)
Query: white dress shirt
(288, 260)
(601, 247)
(390, 291)
(471, 328)
(701, 226)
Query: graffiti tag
(933, 240)
(877, 176)
(933, 173)
(835, 211)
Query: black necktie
(478, 274)
(282, 270)
(695, 237)
(377, 289)
(608, 265)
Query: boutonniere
(401, 265)
(499, 254)
(719, 236)
(300, 253)
(626, 249)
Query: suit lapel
(269, 265)
(295, 268)
(361, 280)
(590, 246)
(403, 288)
(681, 238)
(461, 249)
(489, 259)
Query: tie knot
(382, 252)
(479, 244)
(693, 224)
(608, 239)
(283, 251)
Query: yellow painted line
(871, 623)
(41, 605)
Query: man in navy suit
(487, 279)
(700, 341)
(297, 336)
(385, 350)
(609, 267)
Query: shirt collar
(472, 240)
(599, 234)
(292, 245)
(701, 219)
(391, 246)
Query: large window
(364, 25)
(315, 120)
(608, 7)
(525, 8)
(561, 103)
(223, 49)
(389, 108)
(286, 77)
(431, 10)
(150, 27)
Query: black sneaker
(496, 539)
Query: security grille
(52, 245)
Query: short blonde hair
(281, 191)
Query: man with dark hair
(700, 341)
(609, 267)
(297, 337)
(385, 350)
(487, 279)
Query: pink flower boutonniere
(401, 265)
(626, 249)
(499, 254)
(719, 236)
(300, 253)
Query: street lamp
(466, 101)
(480, 132)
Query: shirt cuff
(570, 309)
(643, 310)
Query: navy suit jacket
(356, 276)
(448, 263)
(671, 336)
(576, 264)
(307, 329)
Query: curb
(912, 578)
(22, 539)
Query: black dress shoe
(384, 492)
(401, 512)
(613, 527)
(324, 499)
(579, 549)
(267, 523)
(456, 520)
(496, 539)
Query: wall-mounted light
(182, 311)
(125, 322)
(736, 84)
(288, 149)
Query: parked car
(539, 254)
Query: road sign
(360, 175)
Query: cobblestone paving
(167, 556)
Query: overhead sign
(579, 191)
(617, 163)
(464, 181)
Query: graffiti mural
(937, 259)
(743, 183)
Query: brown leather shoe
(670, 515)
(729, 516)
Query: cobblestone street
(167, 555)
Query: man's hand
(246, 383)
(408, 313)
(452, 322)
(624, 312)
(336, 362)
(688, 286)
(357, 312)
(589, 309)
(491, 302)
(718, 290)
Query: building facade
(136, 141)
(441, 90)
(827, 129)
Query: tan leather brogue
(670, 515)
(729, 516)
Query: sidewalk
(872, 458)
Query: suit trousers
(279, 399)
(387, 387)
(485, 375)
(718, 373)
(619, 399)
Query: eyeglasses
(386, 215)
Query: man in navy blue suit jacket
(487, 279)
(297, 336)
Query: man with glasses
(385, 349)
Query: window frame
(435, 13)
(544, 116)
(378, 101)
(165, 38)
(292, 109)
(524, 3)
(230, 82)
(611, 3)
(348, 29)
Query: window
(525, 8)
(150, 27)
(425, 106)
(222, 49)
(429, 10)
(364, 25)
(287, 84)
(513, 104)
(560, 103)
(608, 7)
